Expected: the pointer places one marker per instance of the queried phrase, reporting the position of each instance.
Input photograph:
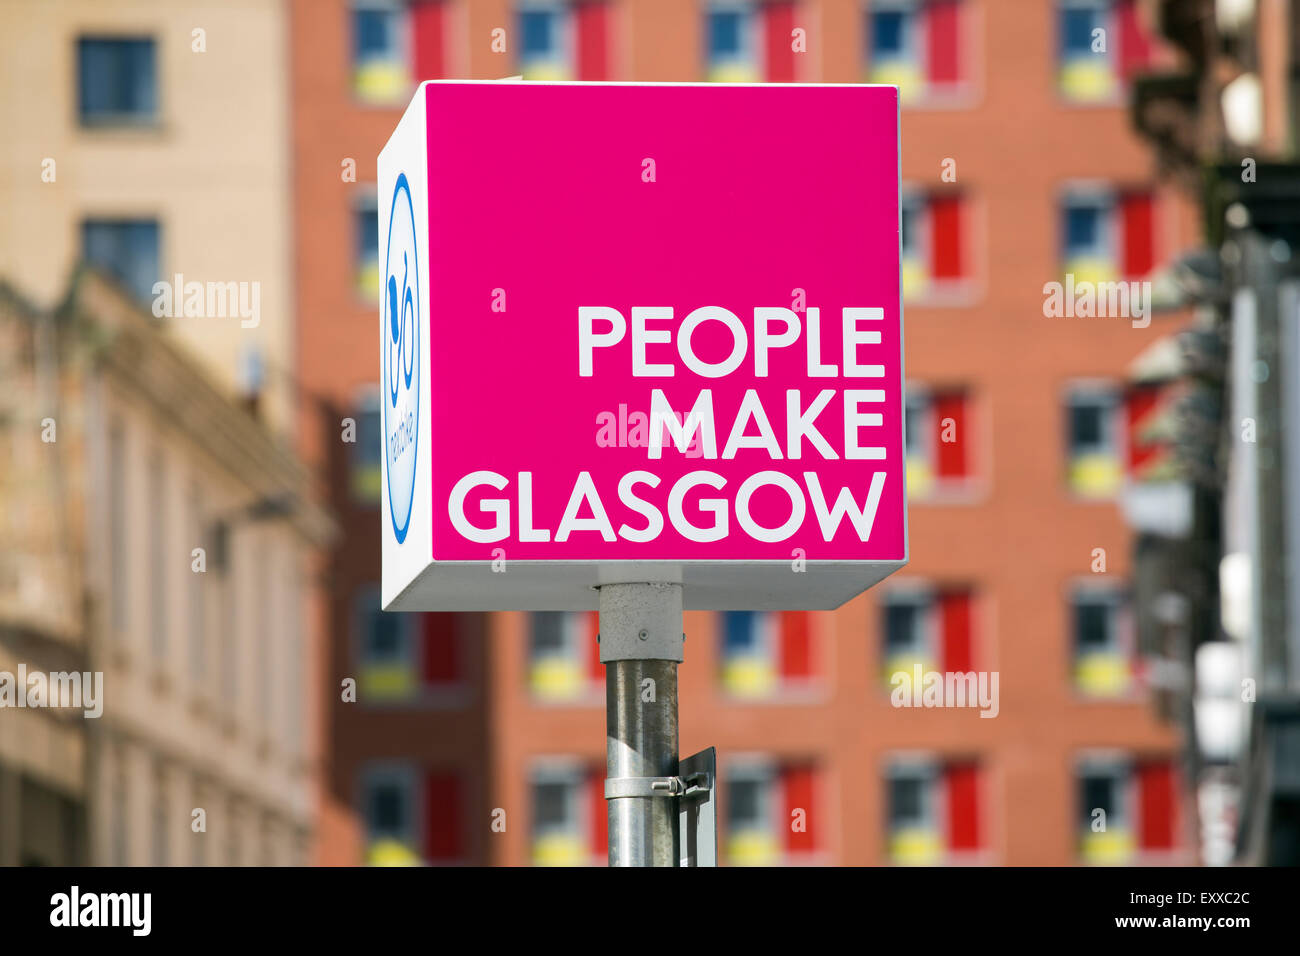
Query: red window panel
(796, 650)
(951, 458)
(593, 39)
(441, 663)
(963, 807)
(595, 669)
(945, 226)
(1134, 41)
(427, 39)
(955, 611)
(798, 788)
(1156, 787)
(778, 22)
(1137, 214)
(1141, 405)
(598, 812)
(943, 42)
(443, 818)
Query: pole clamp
(617, 787)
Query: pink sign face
(663, 324)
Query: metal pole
(641, 645)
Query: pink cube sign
(640, 332)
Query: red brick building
(480, 739)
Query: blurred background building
(1019, 166)
(162, 534)
(1087, 517)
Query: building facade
(157, 543)
(480, 739)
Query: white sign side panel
(406, 462)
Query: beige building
(151, 137)
(156, 536)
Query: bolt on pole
(641, 642)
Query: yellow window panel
(748, 676)
(390, 852)
(1111, 847)
(920, 477)
(916, 846)
(551, 71)
(1102, 674)
(899, 73)
(559, 849)
(753, 848)
(907, 663)
(368, 281)
(915, 277)
(1096, 475)
(733, 73)
(366, 482)
(381, 81)
(387, 682)
(1091, 269)
(1088, 79)
(556, 678)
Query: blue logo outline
(394, 328)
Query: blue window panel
(539, 32)
(126, 249)
(374, 33)
(1077, 24)
(116, 79)
(726, 29)
(1085, 229)
(740, 633)
(890, 34)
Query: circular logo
(400, 331)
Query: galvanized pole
(641, 642)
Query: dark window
(127, 249)
(116, 80)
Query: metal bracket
(695, 784)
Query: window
(732, 52)
(367, 478)
(937, 436)
(1103, 43)
(933, 258)
(933, 810)
(545, 41)
(380, 71)
(198, 609)
(564, 660)
(1126, 807)
(771, 813)
(117, 523)
(126, 249)
(1107, 235)
(413, 816)
(763, 651)
(1093, 467)
(1104, 649)
(365, 218)
(428, 35)
(403, 655)
(160, 849)
(570, 817)
(160, 579)
(916, 46)
(116, 81)
(932, 630)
